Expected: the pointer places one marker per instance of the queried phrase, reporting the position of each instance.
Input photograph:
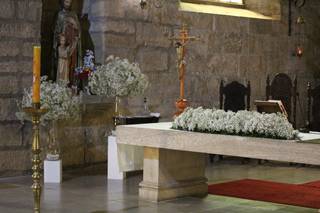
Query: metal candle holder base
(35, 112)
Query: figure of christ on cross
(180, 44)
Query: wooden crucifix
(180, 44)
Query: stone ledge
(96, 99)
(219, 10)
(160, 135)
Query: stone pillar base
(169, 174)
(148, 192)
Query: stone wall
(19, 31)
(24, 23)
(269, 8)
(83, 142)
(231, 48)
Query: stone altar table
(174, 161)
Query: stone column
(168, 174)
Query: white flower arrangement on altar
(56, 97)
(118, 78)
(246, 123)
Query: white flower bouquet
(56, 97)
(246, 123)
(118, 78)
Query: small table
(140, 119)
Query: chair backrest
(235, 96)
(282, 88)
(314, 108)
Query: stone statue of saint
(64, 56)
(67, 56)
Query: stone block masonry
(231, 48)
(19, 31)
(21, 23)
(82, 143)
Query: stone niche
(83, 142)
(50, 11)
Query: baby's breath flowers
(56, 97)
(247, 123)
(118, 78)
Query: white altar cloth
(123, 158)
(130, 158)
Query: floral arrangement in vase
(117, 78)
(88, 66)
(57, 98)
(245, 123)
(61, 104)
(81, 74)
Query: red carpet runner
(305, 195)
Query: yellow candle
(36, 74)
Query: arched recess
(50, 9)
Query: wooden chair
(313, 108)
(282, 88)
(234, 97)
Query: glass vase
(53, 148)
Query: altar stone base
(169, 174)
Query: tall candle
(36, 74)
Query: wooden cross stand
(180, 43)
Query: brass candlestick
(35, 112)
